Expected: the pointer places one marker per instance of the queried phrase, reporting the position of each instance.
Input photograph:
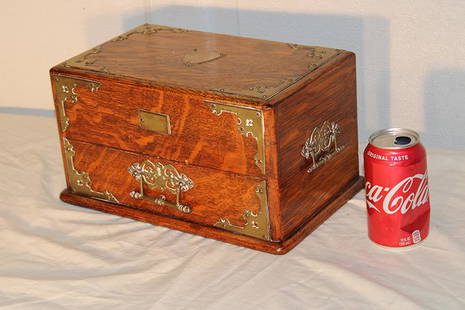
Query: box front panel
(195, 194)
(318, 145)
(162, 123)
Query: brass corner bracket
(65, 91)
(250, 121)
(148, 29)
(315, 57)
(86, 61)
(256, 225)
(80, 181)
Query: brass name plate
(154, 121)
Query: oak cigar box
(246, 141)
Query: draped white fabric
(57, 256)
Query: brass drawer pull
(162, 177)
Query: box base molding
(281, 247)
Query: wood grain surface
(110, 117)
(137, 72)
(331, 98)
(246, 68)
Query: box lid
(231, 66)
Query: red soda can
(397, 192)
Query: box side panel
(317, 143)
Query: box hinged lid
(232, 66)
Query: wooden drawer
(207, 196)
(163, 124)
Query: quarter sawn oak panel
(110, 116)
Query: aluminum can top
(394, 138)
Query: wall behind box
(410, 54)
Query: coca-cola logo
(406, 195)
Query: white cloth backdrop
(57, 256)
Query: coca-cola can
(397, 192)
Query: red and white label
(408, 194)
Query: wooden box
(246, 141)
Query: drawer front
(208, 196)
(160, 123)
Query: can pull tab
(402, 140)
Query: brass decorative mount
(256, 225)
(162, 177)
(250, 122)
(66, 92)
(321, 146)
(86, 61)
(80, 182)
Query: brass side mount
(79, 181)
(322, 144)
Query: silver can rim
(393, 132)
